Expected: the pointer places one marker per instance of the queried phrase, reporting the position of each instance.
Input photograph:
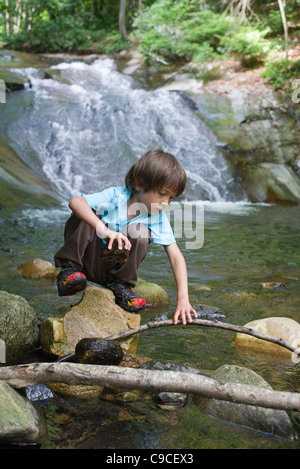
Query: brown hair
(158, 171)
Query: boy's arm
(83, 211)
(180, 273)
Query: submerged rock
(37, 268)
(284, 328)
(20, 422)
(96, 315)
(209, 312)
(39, 392)
(169, 400)
(272, 421)
(18, 326)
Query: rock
(272, 421)
(280, 327)
(20, 422)
(259, 138)
(271, 285)
(80, 391)
(96, 315)
(14, 81)
(152, 293)
(98, 352)
(37, 268)
(18, 326)
(210, 312)
(274, 183)
(38, 392)
(169, 400)
(114, 254)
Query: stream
(80, 130)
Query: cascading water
(84, 127)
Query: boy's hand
(104, 232)
(184, 310)
(114, 235)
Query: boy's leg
(79, 258)
(123, 277)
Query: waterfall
(82, 128)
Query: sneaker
(70, 281)
(125, 297)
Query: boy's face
(155, 201)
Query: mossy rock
(153, 294)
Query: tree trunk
(285, 28)
(147, 380)
(122, 19)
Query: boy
(131, 216)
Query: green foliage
(180, 30)
(66, 33)
(185, 30)
(248, 43)
(281, 72)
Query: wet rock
(37, 268)
(98, 352)
(38, 392)
(18, 326)
(259, 137)
(114, 254)
(14, 81)
(80, 391)
(96, 315)
(169, 400)
(272, 421)
(278, 327)
(20, 421)
(153, 294)
(271, 285)
(209, 312)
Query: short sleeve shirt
(111, 206)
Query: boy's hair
(157, 171)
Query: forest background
(164, 31)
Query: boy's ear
(138, 188)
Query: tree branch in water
(207, 323)
(147, 380)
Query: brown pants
(82, 247)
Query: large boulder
(20, 421)
(272, 421)
(279, 327)
(18, 326)
(96, 315)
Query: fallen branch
(207, 323)
(147, 380)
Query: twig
(207, 323)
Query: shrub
(281, 72)
(248, 43)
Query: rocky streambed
(94, 317)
